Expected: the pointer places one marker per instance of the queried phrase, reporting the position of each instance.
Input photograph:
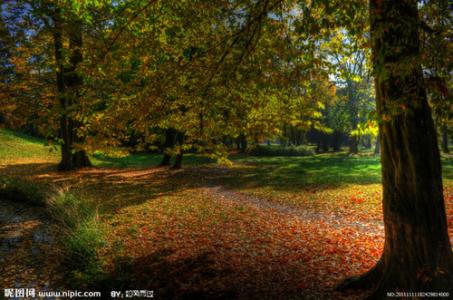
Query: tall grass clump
(82, 235)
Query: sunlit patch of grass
(21, 148)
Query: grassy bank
(80, 233)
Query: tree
(68, 87)
(417, 252)
(352, 76)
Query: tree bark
(66, 161)
(68, 85)
(353, 145)
(417, 253)
(242, 143)
(168, 144)
(74, 82)
(179, 155)
(353, 116)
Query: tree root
(362, 282)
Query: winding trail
(336, 220)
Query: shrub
(261, 150)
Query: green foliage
(82, 234)
(262, 150)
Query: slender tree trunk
(353, 111)
(353, 145)
(168, 144)
(242, 142)
(417, 253)
(367, 141)
(445, 139)
(179, 156)
(377, 147)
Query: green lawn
(16, 146)
(283, 172)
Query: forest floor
(264, 228)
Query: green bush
(261, 150)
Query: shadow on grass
(142, 160)
(113, 188)
(286, 173)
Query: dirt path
(336, 220)
(28, 258)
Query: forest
(226, 149)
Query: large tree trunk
(66, 161)
(74, 82)
(417, 252)
(68, 86)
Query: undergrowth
(80, 234)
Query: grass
(20, 147)
(124, 219)
(318, 169)
(81, 235)
(143, 160)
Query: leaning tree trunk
(417, 253)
